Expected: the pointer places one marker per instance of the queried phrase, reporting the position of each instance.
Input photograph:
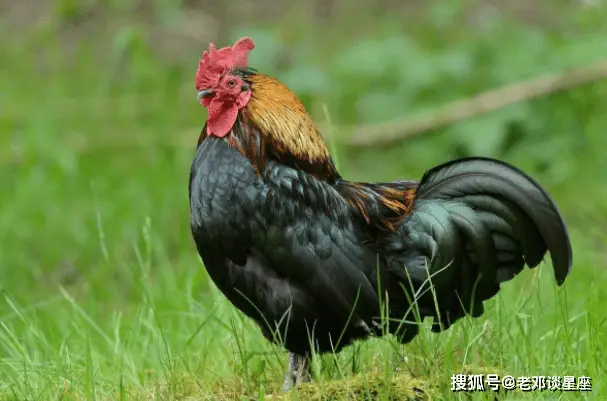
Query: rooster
(318, 261)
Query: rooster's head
(273, 120)
(221, 89)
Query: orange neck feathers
(286, 130)
(281, 117)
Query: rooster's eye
(231, 83)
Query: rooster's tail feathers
(475, 223)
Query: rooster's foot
(299, 371)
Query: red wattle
(221, 117)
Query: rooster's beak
(205, 93)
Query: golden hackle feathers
(283, 119)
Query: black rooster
(313, 258)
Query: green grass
(104, 297)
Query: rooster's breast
(218, 175)
(249, 235)
(226, 225)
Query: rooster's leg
(299, 371)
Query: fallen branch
(381, 134)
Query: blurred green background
(99, 122)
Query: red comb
(215, 62)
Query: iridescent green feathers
(475, 223)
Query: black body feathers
(475, 223)
(295, 254)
